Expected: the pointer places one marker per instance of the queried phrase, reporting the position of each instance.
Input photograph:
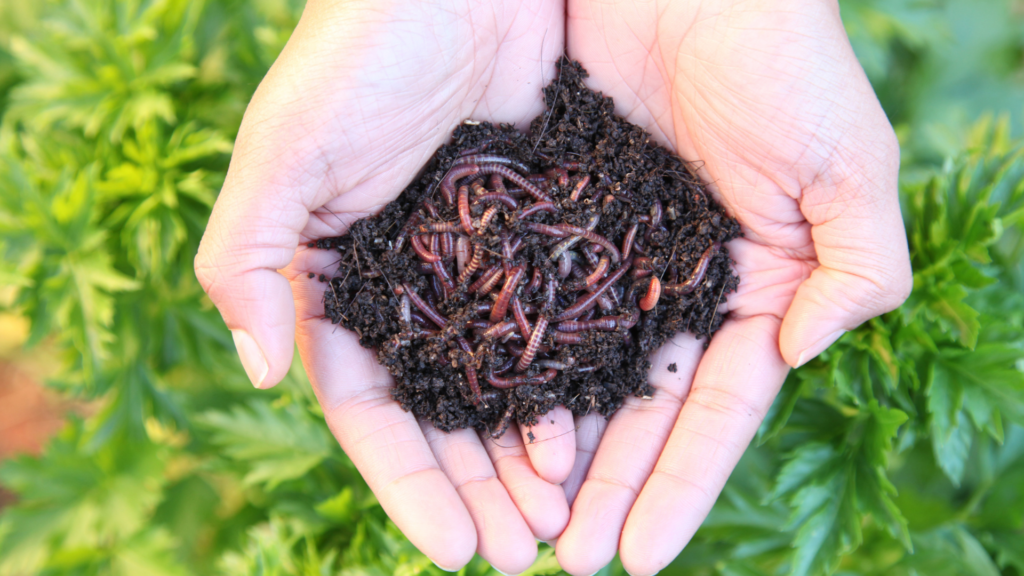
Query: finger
(589, 430)
(541, 503)
(735, 383)
(860, 243)
(627, 454)
(503, 538)
(551, 444)
(384, 442)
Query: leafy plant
(898, 452)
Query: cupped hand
(357, 102)
(769, 97)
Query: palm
(787, 131)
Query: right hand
(359, 99)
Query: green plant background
(899, 451)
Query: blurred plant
(898, 452)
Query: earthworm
(422, 251)
(506, 365)
(520, 317)
(497, 184)
(477, 186)
(564, 245)
(500, 329)
(427, 309)
(534, 281)
(490, 280)
(511, 283)
(605, 301)
(447, 244)
(515, 177)
(463, 249)
(599, 272)
(485, 220)
(454, 174)
(513, 381)
(561, 175)
(695, 277)
(406, 310)
(567, 337)
(428, 205)
(441, 271)
(421, 320)
(464, 217)
(490, 159)
(564, 265)
(436, 227)
(537, 207)
(545, 229)
(506, 252)
(579, 188)
(473, 264)
(650, 299)
(555, 364)
(425, 268)
(508, 201)
(587, 301)
(627, 242)
(435, 243)
(592, 237)
(478, 324)
(552, 291)
(607, 324)
(531, 346)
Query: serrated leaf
(275, 445)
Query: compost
(519, 272)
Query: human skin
(768, 95)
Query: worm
(627, 242)
(564, 265)
(586, 302)
(491, 281)
(406, 310)
(420, 319)
(454, 174)
(464, 217)
(579, 188)
(561, 175)
(427, 309)
(592, 237)
(569, 243)
(599, 272)
(650, 299)
(531, 346)
(535, 281)
(438, 227)
(506, 365)
(512, 175)
(463, 249)
(497, 184)
(473, 264)
(478, 324)
(519, 315)
(513, 381)
(441, 272)
(567, 337)
(447, 244)
(695, 277)
(485, 220)
(422, 251)
(605, 301)
(545, 363)
(511, 283)
(607, 324)
(546, 229)
(538, 207)
(500, 329)
(508, 201)
(490, 159)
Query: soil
(594, 167)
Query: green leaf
(275, 445)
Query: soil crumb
(672, 368)
(521, 272)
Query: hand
(358, 101)
(769, 97)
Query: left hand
(771, 99)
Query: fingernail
(553, 542)
(253, 360)
(445, 569)
(818, 347)
(506, 574)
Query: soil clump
(519, 272)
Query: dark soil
(457, 375)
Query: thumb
(861, 247)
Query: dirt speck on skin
(599, 171)
(672, 368)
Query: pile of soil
(585, 230)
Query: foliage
(898, 452)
